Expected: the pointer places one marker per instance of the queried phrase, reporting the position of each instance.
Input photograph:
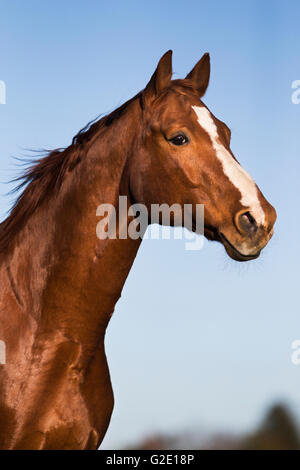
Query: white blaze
(232, 169)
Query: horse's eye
(179, 139)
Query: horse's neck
(73, 278)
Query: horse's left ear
(160, 79)
(200, 74)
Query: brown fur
(59, 283)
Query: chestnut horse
(59, 283)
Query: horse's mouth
(213, 234)
(233, 252)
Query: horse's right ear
(160, 79)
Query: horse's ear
(200, 74)
(160, 79)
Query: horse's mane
(45, 175)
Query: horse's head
(184, 157)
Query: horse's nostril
(246, 223)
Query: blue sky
(197, 340)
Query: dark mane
(44, 176)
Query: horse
(59, 282)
